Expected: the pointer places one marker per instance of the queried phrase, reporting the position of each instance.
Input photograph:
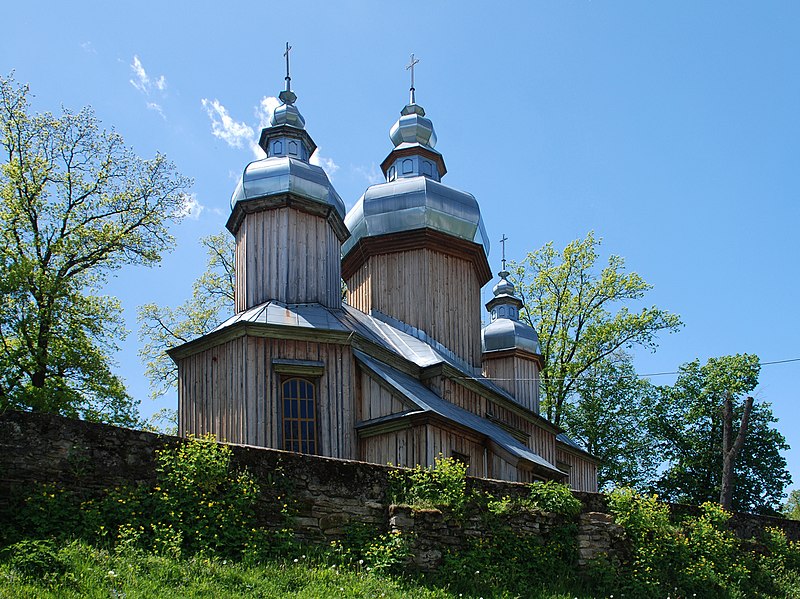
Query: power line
(632, 376)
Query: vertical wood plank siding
(518, 376)
(435, 292)
(289, 256)
(583, 472)
(541, 440)
(232, 391)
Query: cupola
(418, 248)
(287, 218)
(511, 354)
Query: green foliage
(202, 500)
(75, 205)
(696, 557)
(791, 509)
(572, 307)
(162, 328)
(613, 421)
(93, 572)
(689, 426)
(36, 559)
(442, 485)
(555, 498)
(364, 548)
(512, 565)
(199, 505)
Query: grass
(86, 572)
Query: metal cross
(503, 243)
(411, 67)
(288, 78)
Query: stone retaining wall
(326, 494)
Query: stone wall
(326, 494)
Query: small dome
(287, 113)
(281, 174)
(412, 127)
(505, 333)
(415, 203)
(504, 286)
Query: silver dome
(505, 333)
(415, 203)
(287, 113)
(413, 127)
(281, 174)
(504, 286)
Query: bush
(35, 559)
(442, 485)
(555, 498)
(199, 504)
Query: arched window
(298, 397)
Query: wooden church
(402, 370)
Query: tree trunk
(731, 447)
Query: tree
(689, 424)
(162, 328)
(570, 305)
(612, 420)
(75, 205)
(791, 509)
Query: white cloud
(265, 109)
(224, 127)
(327, 164)
(372, 174)
(141, 80)
(191, 208)
(88, 47)
(236, 134)
(157, 108)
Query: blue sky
(671, 129)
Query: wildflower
(296, 560)
(112, 574)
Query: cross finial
(503, 243)
(411, 68)
(288, 78)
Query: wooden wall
(427, 289)
(289, 256)
(376, 400)
(582, 471)
(232, 391)
(540, 440)
(517, 375)
(422, 444)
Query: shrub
(442, 485)
(555, 498)
(36, 559)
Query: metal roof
(428, 401)
(415, 203)
(311, 316)
(283, 174)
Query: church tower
(418, 251)
(511, 351)
(287, 218)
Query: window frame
(312, 415)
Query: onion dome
(413, 128)
(286, 168)
(413, 197)
(505, 331)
